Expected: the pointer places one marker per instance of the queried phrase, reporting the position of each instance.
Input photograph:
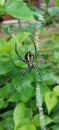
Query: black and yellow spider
(28, 58)
(32, 61)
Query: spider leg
(35, 48)
(23, 73)
(18, 54)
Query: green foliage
(36, 120)
(19, 113)
(2, 2)
(57, 3)
(1, 128)
(2, 10)
(18, 110)
(21, 12)
(53, 11)
(50, 100)
(56, 90)
(47, 3)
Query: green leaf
(19, 113)
(2, 2)
(8, 123)
(28, 113)
(20, 84)
(56, 56)
(57, 3)
(26, 94)
(7, 114)
(36, 120)
(55, 127)
(56, 116)
(3, 80)
(37, 13)
(20, 64)
(24, 122)
(3, 104)
(56, 24)
(28, 127)
(1, 127)
(16, 82)
(47, 2)
(4, 46)
(14, 98)
(50, 100)
(44, 90)
(48, 120)
(48, 78)
(4, 56)
(56, 90)
(2, 10)
(53, 11)
(19, 38)
(33, 105)
(19, 10)
(6, 91)
(22, 36)
(5, 67)
(56, 40)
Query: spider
(28, 58)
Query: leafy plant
(18, 108)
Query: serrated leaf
(50, 100)
(19, 113)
